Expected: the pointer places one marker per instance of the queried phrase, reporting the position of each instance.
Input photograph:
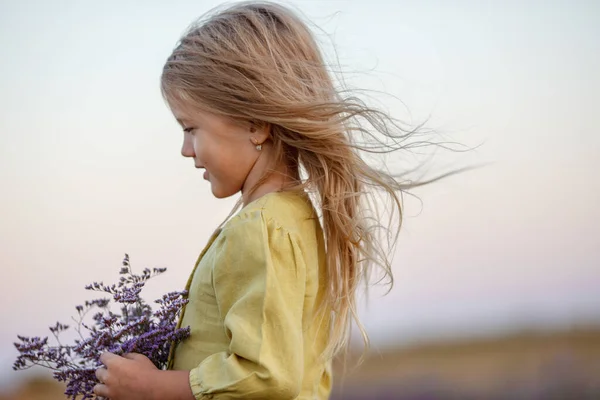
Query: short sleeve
(259, 282)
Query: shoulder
(277, 223)
(277, 229)
(281, 211)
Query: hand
(130, 377)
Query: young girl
(272, 295)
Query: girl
(272, 295)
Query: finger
(107, 357)
(134, 356)
(101, 374)
(101, 390)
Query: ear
(261, 131)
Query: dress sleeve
(259, 283)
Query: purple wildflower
(136, 329)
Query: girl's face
(223, 148)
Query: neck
(279, 177)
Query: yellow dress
(253, 298)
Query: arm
(259, 285)
(172, 385)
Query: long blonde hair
(258, 61)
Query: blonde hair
(258, 61)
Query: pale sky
(90, 165)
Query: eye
(188, 130)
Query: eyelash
(188, 130)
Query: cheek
(199, 147)
(230, 169)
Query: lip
(205, 175)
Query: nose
(187, 149)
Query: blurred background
(497, 291)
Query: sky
(90, 164)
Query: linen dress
(253, 299)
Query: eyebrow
(181, 120)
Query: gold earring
(258, 145)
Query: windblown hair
(259, 62)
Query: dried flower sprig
(136, 329)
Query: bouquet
(136, 329)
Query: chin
(223, 193)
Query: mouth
(205, 175)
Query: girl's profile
(273, 294)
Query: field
(529, 366)
(540, 366)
